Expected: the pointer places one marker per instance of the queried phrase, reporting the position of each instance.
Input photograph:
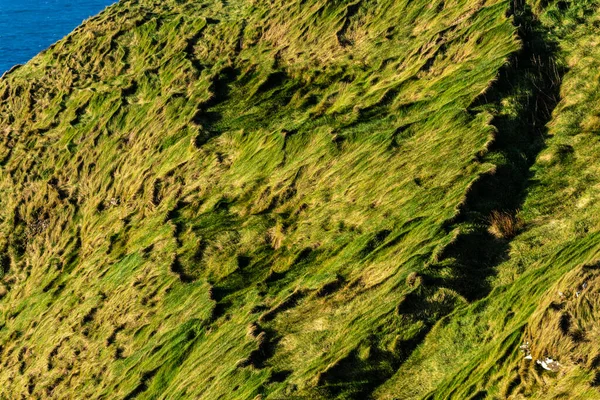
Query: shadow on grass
(522, 100)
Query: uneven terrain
(307, 199)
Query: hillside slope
(547, 292)
(306, 199)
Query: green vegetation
(307, 199)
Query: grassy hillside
(546, 292)
(303, 199)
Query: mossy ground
(234, 199)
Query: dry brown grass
(504, 225)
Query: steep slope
(309, 199)
(546, 300)
(227, 198)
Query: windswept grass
(236, 199)
(545, 291)
(504, 225)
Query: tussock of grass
(504, 225)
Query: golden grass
(152, 209)
(504, 225)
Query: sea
(29, 26)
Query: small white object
(549, 364)
(584, 285)
(528, 357)
(577, 294)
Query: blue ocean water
(30, 26)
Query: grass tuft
(504, 225)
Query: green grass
(284, 200)
(478, 347)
